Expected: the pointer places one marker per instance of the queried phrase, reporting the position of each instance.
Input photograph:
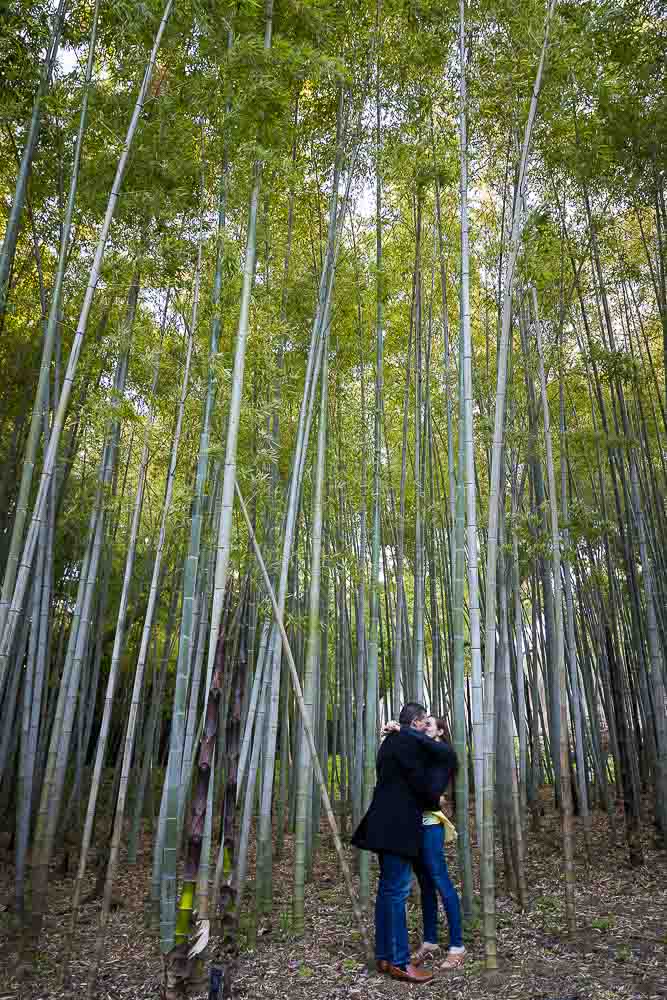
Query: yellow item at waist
(431, 818)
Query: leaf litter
(618, 953)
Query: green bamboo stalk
(520, 660)
(459, 716)
(32, 443)
(183, 668)
(16, 607)
(322, 701)
(234, 414)
(418, 602)
(304, 775)
(488, 847)
(468, 432)
(360, 609)
(150, 733)
(565, 784)
(582, 790)
(247, 742)
(32, 703)
(374, 610)
(20, 192)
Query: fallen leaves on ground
(618, 953)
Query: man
(392, 829)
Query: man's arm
(415, 775)
(444, 753)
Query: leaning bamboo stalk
(249, 792)
(12, 705)
(308, 730)
(34, 694)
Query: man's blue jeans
(391, 927)
(434, 878)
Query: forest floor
(618, 951)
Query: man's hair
(413, 710)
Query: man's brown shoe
(382, 965)
(410, 974)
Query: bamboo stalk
(319, 777)
(28, 553)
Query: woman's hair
(442, 727)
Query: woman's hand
(390, 727)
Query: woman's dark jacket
(407, 784)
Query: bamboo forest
(334, 380)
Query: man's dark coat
(403, 791)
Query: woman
(431, 866)
(431, 869)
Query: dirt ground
(619, 950)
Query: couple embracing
(405, 828)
